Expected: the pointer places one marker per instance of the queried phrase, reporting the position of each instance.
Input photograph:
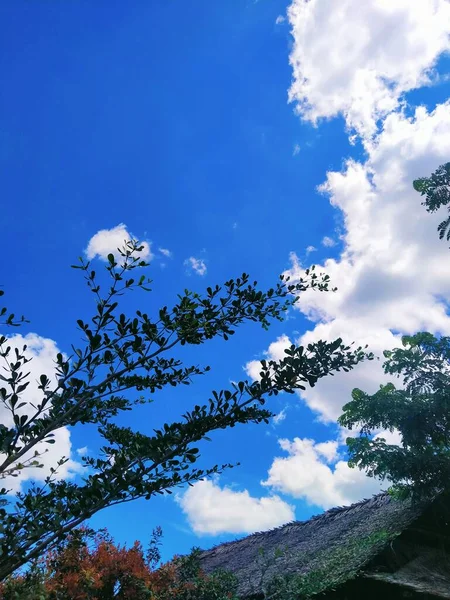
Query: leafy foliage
(89, 566)
(182, 579)
(120, 361)
(419, 409)
(436, 190)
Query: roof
(428, 573)
(318, 554)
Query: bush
(89, 566)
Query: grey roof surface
(337, 543)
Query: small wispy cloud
(196, 264)
(296, 150)
(280, 19)
(310, 249)
(82, 451)
(235, 225)
(279, 417)
(165, 252)
(328, 242)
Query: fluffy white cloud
(327, 450)
(393, 274)
(304, 474)
(107, 241)
(384, 48)
(394, 271)
(211, 509)
(310, 249)
(280, 19)
(197, 265)
(43, 352)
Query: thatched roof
(428, 573)
(322, 552)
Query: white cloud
(106, 241)
(328, 450)
(43, 352)
(82, 451)
(280, 417)
(280, 19)
(296, 150)
(165, 252)
(310, 249)
(197, 265)
(211, 509)
(304, 474)
(328, 242)
(393, 274)
(384, 48)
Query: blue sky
(173, 119)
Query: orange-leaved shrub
(90, 566)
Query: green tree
(436, 190)
(419, 409)
(122, 361)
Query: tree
(120, 359)
(436, 190)
(90, 566)
(419, 410)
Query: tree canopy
(418, 409)
(122, 361)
